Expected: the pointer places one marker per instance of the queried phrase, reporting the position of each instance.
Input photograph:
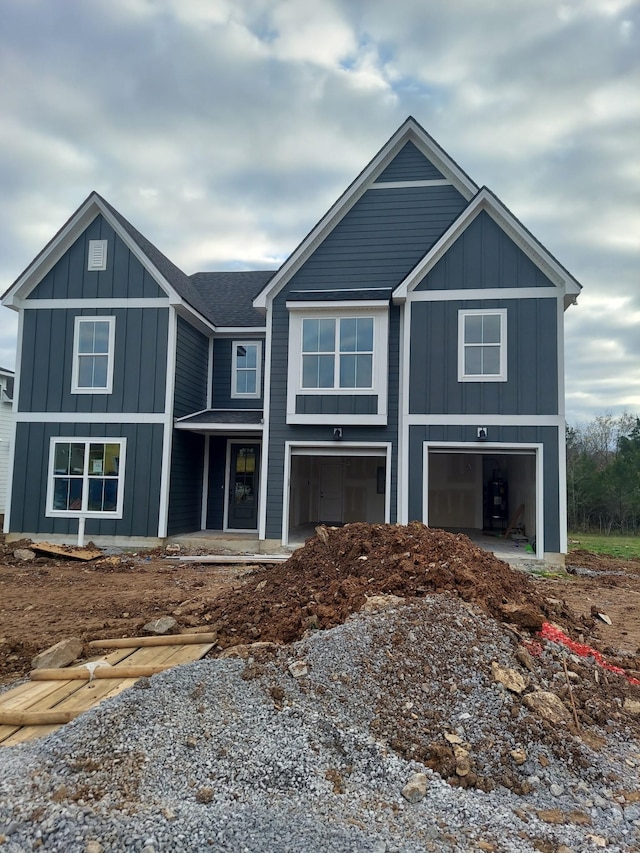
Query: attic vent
(97, 255)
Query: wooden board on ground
(65, 552)
(228, 559)
(38, 707)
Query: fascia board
(409, 131)
(486, 201)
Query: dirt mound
(338, 569)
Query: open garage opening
(492, 495)
(335, 487)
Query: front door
(244, 470)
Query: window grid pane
(93, 354)
(482, 344)
(86, 472)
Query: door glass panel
(245, 476)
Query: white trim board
(62, 304)
(485, 293)
(485, 420)
(165, 476)
(90, 417)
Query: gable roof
(485, 200)
(218, 299)
(409, 131)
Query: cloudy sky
(224, 129)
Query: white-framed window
(86, 477)
(246, 364)
(337, 352)
(93, 345)
(97, 255)
(482, 345)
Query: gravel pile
(309, 747)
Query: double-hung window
(337, 352)
(482, 345)
(245, 368)
(93, 345)
(86, 477)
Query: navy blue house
(405, 362)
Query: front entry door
(331, 491)
(244, 470)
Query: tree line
(603, 475)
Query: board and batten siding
(465, 435)
(124, 277)
(187, 449)
(140, 358)
(216, 496)
(141, 479)
(222, 364)
(532, 360)
(483, 256)
(6, 423)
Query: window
(482, 345)
(337, 352)
(245, 368)
(93, 343)
(97, 256)
(86, 477)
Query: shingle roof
(223, 298)
(246, 417)
(228, 296)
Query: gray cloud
(224, 131)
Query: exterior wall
(380, 239)
(141, 484)
(409, 165)
(466, 435)
(222, 363)
(187, 449)
(139, 375)
(337, 404)
(125, 277)
(279, 432)
(532, 360)
(192, 362)
(484, 256)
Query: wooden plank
(66, 553)
(6, 732)
(27, 733)
(231, 559)
(143, 642)
(514, 520)
(83, 674)
(36, 718)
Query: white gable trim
(410, 131)
(63, 241)
(487, 202)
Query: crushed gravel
(240, 754)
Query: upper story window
(337, 352)
(86, 477)
(93, 345)
(245, 368)
(482, 345)
(97, 255)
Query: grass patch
(600, 543)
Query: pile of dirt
(336, 571)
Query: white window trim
(97, 256)
(75, 388)
(235, 394)
(494, 377)
(84, 512)
(379, 369)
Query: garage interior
(334, 489)
(487, 495)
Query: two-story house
(405, 362)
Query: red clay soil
(337, 570)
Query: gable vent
(97, 255)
